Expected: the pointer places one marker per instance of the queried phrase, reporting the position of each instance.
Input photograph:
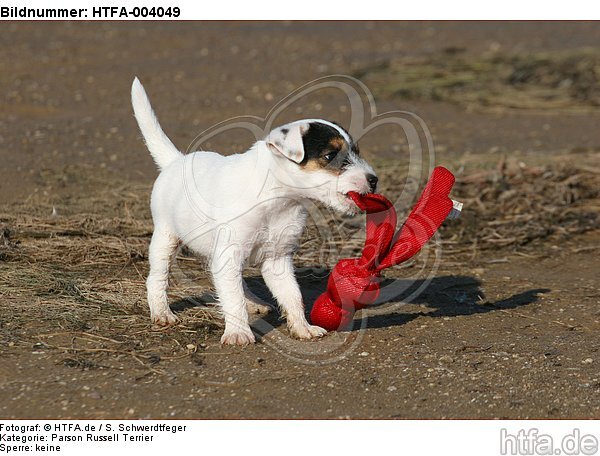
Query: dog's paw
(238, 337)
(307, 331)
(257, 308)
(165, 319)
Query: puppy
(231, 209)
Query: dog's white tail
(160, 146)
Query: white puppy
(233, 208)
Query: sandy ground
(503, 332)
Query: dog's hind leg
(255, 304)
(161, 252)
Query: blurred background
(66, 85)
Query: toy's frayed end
(456, 210)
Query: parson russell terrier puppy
(246, 207)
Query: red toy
(354, 282)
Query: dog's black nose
(372, 180)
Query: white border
(345, 10)
(336, 438)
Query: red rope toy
(354, 282)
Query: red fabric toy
(354, 282)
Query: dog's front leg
(279, 277)
(227, 276)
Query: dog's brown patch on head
(315, 164)
(338, 143)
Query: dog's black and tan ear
(287, 141)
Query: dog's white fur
(231, 208)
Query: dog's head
(321, 161)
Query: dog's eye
(330, 156)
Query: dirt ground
(499, 318)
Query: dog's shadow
(444, 296)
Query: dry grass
(567, 80)
(72, 272)
(514, 205)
